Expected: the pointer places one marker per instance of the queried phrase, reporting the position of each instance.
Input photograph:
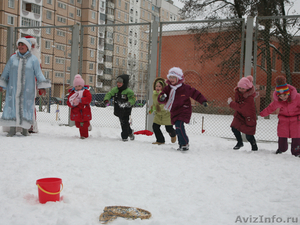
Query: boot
(12, 132)
(238, 146)
(254, 146)
(25, 132)
(173, 139)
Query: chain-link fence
(211, 54)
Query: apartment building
(107, 51)
(131, 42)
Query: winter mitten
(229, 100)
(42, 92)
(162, 97)
(205, 104)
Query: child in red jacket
(79, 101)
(176, 97)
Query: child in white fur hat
(79, 101)
(176, 97)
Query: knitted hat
(246, 82)
(176, 72)
(78, 81)
(281, 86)
(25, 41)
(120, 80)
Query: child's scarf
(168, 105)
(76, 95)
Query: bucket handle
(50, 193)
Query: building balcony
(110, 4)
(31, 15)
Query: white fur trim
(24, 40)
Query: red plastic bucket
(49, 189)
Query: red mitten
(42, 92)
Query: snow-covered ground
(211, 184)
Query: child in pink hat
(79, 101)
(244, 119)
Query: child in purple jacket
(176, 97)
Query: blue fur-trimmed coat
(20, 84)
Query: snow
(211, 184)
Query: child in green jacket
(123, 101)
(162, 116)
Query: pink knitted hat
(246, 82)
(78, 81)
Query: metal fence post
(249, 44)
(74, 60)
(152, 70)
(10, 41)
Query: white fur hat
(176, 72)
(25, 41)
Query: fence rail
(211, 54)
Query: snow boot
(183, 148)
(238, 146)
(254, 146)
(25, 132)
(278, 151)
(131, 136)
(125, 139)
(12, 132)
(158, 143)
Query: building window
(93, 15)
(47, 74)
(125, 40)
(61, 33)
(59, 61)
(47, 44)
(11, 4)
(61, 5)
(49, 15)
(10, 20)
(125, 17)
(94, 3)
(297, 62)
(118, 38)
(78, 12)
(123, 63)
(90, 79)
(117, 61)
(59, 74)
(92, 40)
(60, 47)
(91, 66)
(119, 3)
(118, 49)
(79, 1)
(92, 53)
(61, 19)
(48, 30)
(72, 2)
(119, 15)
(126, 5)
(49, 2)
(47, 59)
(124, 51)
(71, 15)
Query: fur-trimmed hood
(161, 81)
